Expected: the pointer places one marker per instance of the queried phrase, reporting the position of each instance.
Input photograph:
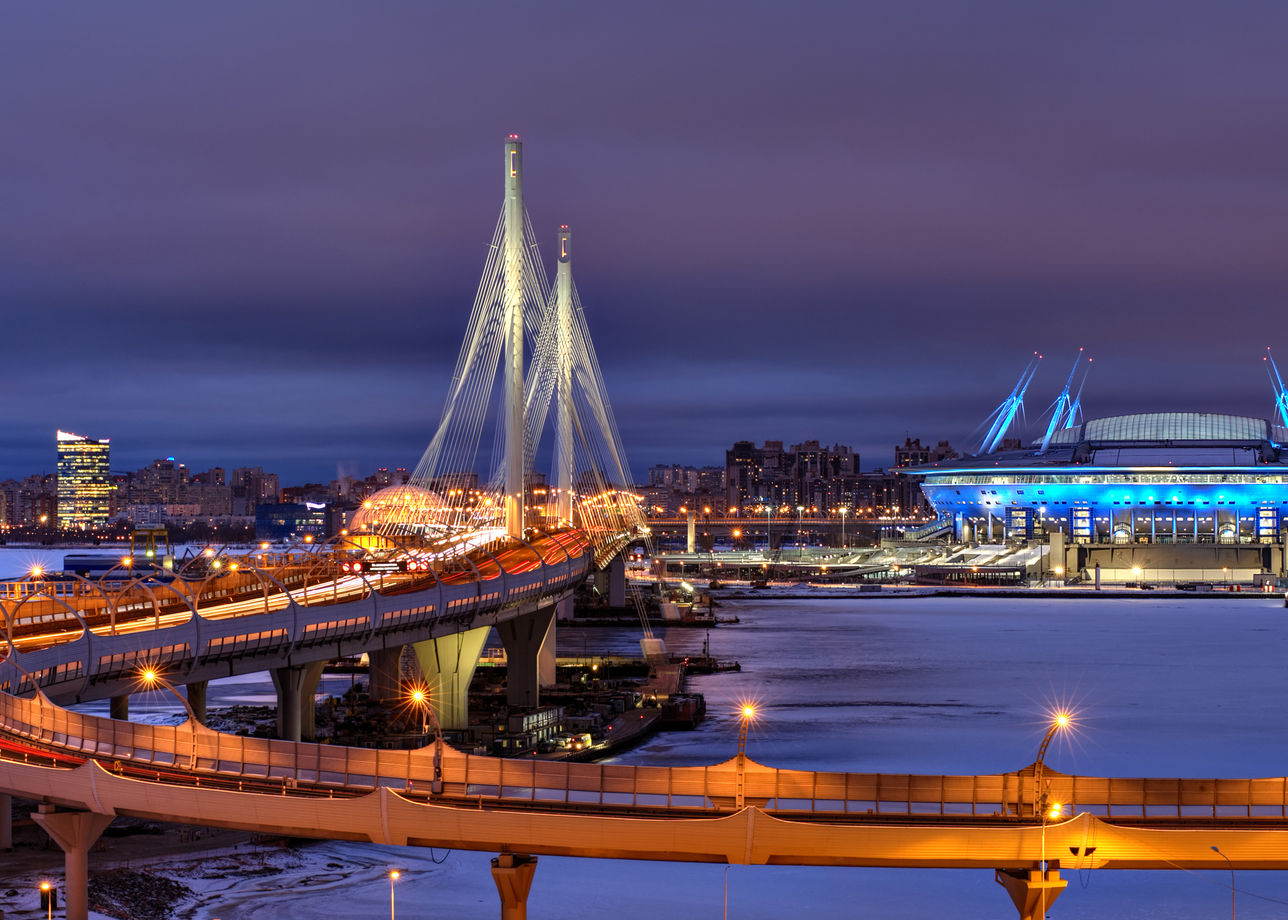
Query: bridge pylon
(512, 326)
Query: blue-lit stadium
(1169, 477)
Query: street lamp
(419, 697)
(769, 528)
(1061, 721)
(393, 877)
(1218, 852)
(47, 896)
(746, 715)
(151, 678)
(844, 512)
(800, 526)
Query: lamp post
(800, 525)
(1060, 722)
(393, 877)
(151, 678)
(1218, 852)
(746, 714)
(844, 512)
(769, 529)
(420, 698)
(47, 895)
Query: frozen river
(1163, 687)
(934, 685)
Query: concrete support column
(119, 707)
(564, 609)
(296, 711)
(1033, 892)
(197, 698)
(6, 822)
(524, 637)
(547, 662)
(617, 582)
(691, 541)
(449, 662)
(75, 832)
(385, 673)
(513, 877)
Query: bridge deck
(192, 774)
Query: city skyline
(861, 235)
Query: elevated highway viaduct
(80, 640)
(1026, 826)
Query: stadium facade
(1155, 478)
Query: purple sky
(248, 233)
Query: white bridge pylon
(516, 314)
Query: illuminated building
(1165, 477)
(84, 484)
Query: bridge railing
(198, 751)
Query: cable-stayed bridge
(436, 565)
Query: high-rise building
(84, 483)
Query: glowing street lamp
(151, 678)
(746, 715)
(394, 874)
(1062, 721)
(420, 698)
(844, 512)
(47, 895)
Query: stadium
(1161, 478)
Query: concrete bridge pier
(6, 822)
(448, 663)
(196, 692)
(611, 581)
(513, 876)
(118, 707)
(524, 638)
(1033, 891)
(75, 832)
(384, 672)
(296, 711)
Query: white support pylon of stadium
(1002, 417)
(1281, 392)
(563, 387)
(1063, 414)
(515, 439)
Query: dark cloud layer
(250, 232)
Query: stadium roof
(1204, 427)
